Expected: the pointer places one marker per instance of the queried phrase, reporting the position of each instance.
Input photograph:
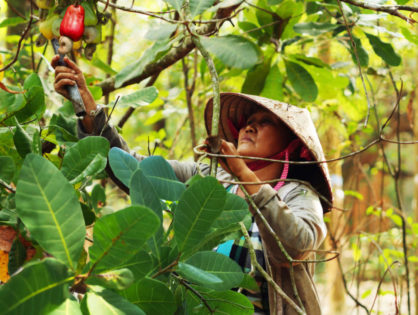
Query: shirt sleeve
(295, 215)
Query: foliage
(347, 64)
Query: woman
(259, 127)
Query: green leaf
(312, 61)
(198, 208)
(10, 103)
(256, 76)
(313, 29)
(176, 4)
(35, 99)
(301, 81)
(98, 195)
(235, 209)
(48, 206)
(39, 287)
(23, 142)
(199, 6)
(88, 214)
(140, 264)
(384, 50)
(361, 52)
(248, 282)
(69, 307)
(139, 98)
(7, 168)
(123, 165)
(98, 63)
(289, 9)
(413, 38)
(198, 276)
(227, 302)
(252, 29)
(152, 296)
(88, 157)
(273, 85)
(233, 51)
(107, 302)
(12, 21)
(17, 256)
(119, 279)
(142, 192)
(150, 55)
(218, 265)
(160, 31)
(162, 177)
(120, 235)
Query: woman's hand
(236, 166)
(71, 75)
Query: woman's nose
(251, 127)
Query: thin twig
(390, 9)
(266, 276)
(354, 46)
(195, 292)
(19, 44)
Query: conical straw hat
(235, 106)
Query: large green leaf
(301, 81)
(107, 302)
(38, 288)
(142, 192)
(384, 50)
(140, 264)
(48, 206)
(199, 6)
(87, 157)
(273, 85)
(7, 168)
(235, 209)
(220, 266)
(198, 208)
(10, 103)
(23, 142)
(123, 165)
(198, 276)
(120, 235)
(254, 81)
(139, 98)
(152, 296)
(314, 29)
(150, 55)
(234, 51)
(162, 177)
(35, 98)
(228, 302)
(69, 307)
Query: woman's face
(263, 136)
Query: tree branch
(390, 9)
(173, 56)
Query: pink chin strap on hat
(283, 155)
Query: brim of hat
(234, 106)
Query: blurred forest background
(353, 64)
